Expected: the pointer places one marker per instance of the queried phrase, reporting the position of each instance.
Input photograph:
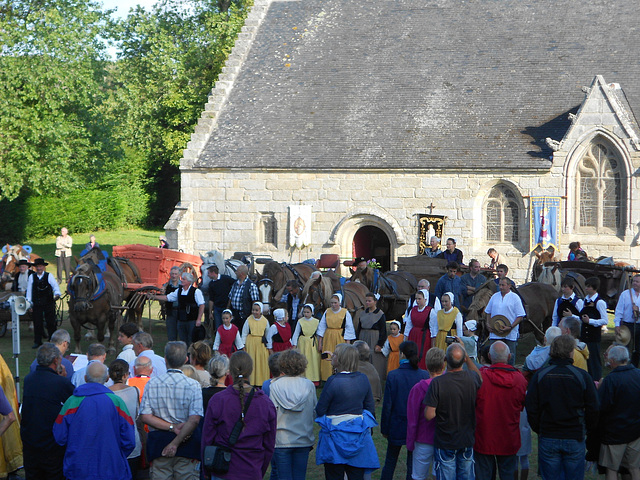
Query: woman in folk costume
(335, 327)
(420, 324)
(253, 337)
(372, 328)
(448, 318)
(279, 334)
(391, 348)
(304, 338)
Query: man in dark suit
(22, 277)
(219, 288)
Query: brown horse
(542, 257)
(15, 253)
(89, 305)
(135, 300)
(395, 289)
(275, 276)
(318, 291)
(538, 298)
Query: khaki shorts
(625, 454)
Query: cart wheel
(3, 328)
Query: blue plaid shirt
(236, 294)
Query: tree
(52, 134)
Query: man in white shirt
(508, 304)
(42, 292)
(593, 316)
(628, 313)
(143, 347)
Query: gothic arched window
(502, 215)
(599, 190)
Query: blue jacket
(393, 423)
(96, 427)
(349, 442)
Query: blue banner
(545, 222)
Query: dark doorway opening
(371, 242)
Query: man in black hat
(42, 292)
(22, 277)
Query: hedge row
(79, 211)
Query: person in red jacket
(499, 402)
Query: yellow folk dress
(332, 336)
(445, 324)
(257, 350)
(307, 344)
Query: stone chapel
(370, 115)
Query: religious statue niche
(429, 226)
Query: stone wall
(222, 210)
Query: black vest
(187, 306)
(589, 333)
(168, 306)
(42, 292)
(564, 304)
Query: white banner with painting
(299, 225)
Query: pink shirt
(419, 429)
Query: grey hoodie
(295, 400)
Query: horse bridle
(74, 280)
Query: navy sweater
(346, 393)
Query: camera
(450, 339)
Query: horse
(275, 276)
(319, 290)
(395, 289)
(225, 267)
(13, 254)
(135, 300)
(553, 275)
(94, 302)
(542, 257)
(538, 298)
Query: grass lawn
(45, 247)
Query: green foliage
(75, 124)
(82, 210)
(51, 131)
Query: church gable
(605, 109)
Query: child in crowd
(279, 334)
(470, 339)
(253, 338)
(274, 370)
(522, 464)
(228, 337)
(304, 338)
(125, 338)
(391, 348)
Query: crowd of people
(245, 399)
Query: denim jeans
(217, 319)
(485, 466)
(185, 330)
(423, 460)
(291, 463)
(172, 325)
(560, 458)
(393, 451)
(454, 464)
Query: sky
(123, 6)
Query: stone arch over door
(355, 225)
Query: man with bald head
(242, 295)
(500, 401)
(89, 455)
(451, 400)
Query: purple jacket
(252, 452)
(419, 429)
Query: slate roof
(420, 84)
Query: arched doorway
(371, 242)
